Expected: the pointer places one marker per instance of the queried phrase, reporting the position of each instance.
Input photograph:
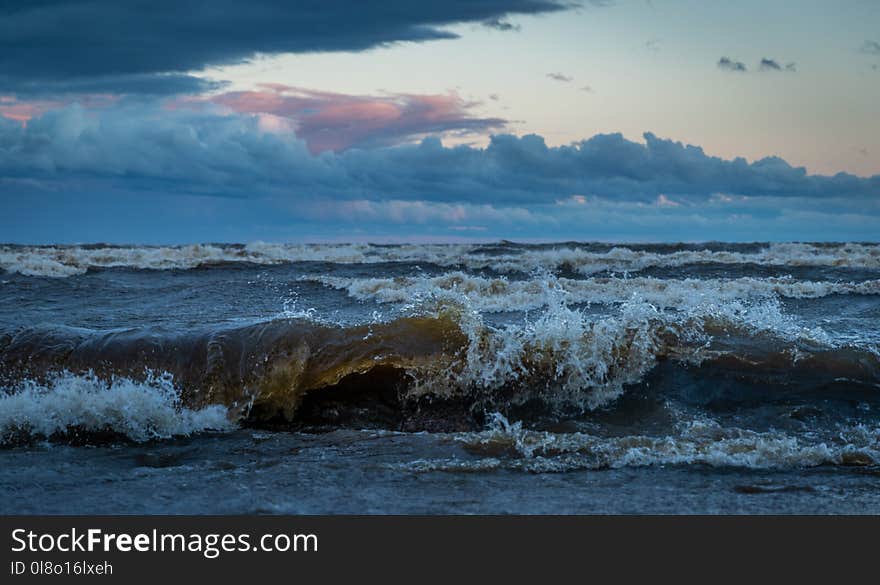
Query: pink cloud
(13, 109)
(664, 201)
(24, 111)
(334, 121)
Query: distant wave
(584, 259)
(501, 294)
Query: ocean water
(466, 378)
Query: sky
(531, 120)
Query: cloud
(334, 121)
(54, 47)
(396, 211)
(560, 77)
(770, 64)
(149, 172)
(13, 109)
(871, 48)
(66, 87)
(149, 148)
(502, 25)
(587, 88)
(664, 201)
(773, 65)
(728, 64)
(89, 216)
(653, 45)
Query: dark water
(426, 378)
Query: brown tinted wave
(266, 371)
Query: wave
(564, 358)
(629, 259)
(506, 445)
(584, 259)
(500, 294)
(63, 261)
(66, 404)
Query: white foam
(578, 360)
(570, 357)
(61, 261)
(139, 410)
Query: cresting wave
(584, 259)
(433, 368)
(267, 369)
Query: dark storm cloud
(147, 46)
(144, 148)
(141, 84)
(729, 64)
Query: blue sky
(399, 121)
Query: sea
(478, 378)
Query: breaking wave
(277, 370)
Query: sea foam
(141, 411)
